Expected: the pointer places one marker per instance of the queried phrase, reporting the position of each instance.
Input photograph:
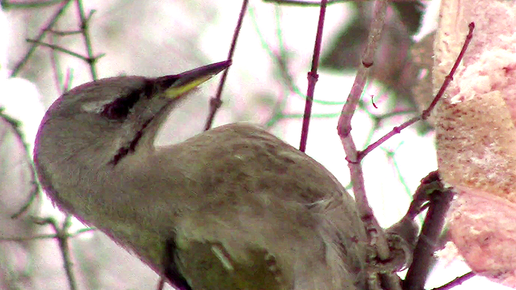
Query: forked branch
(344, 130)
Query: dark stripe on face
(120, 108)
(131, 147)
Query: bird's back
(254, 200)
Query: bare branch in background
(53, 20)
(216, 102)
(377, 237)
(312, 78)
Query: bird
(233, 207)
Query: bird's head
(106, 120)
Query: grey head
(92, 128)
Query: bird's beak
(180, 84)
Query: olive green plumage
(231, 208)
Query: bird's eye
(120, 108)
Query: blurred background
(266, 85)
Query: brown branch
(312, 77)
(377, 236)
(426, 113)
(304, 3)
(216, 102)
(317, 3)
(440, 200)
(457, 281)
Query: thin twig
(457, 281)
(317, 3)
(58, 48)
(426, 113)
(55, 66)
(62, 237)
(15, 126)
(377, 236)
(85, 28)
(312, 77)
(28, 4)
(216, 101)
(304, 3)
(64, 33)
(62, 234)
(44, 237)
(47, 27)
(32, 195)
